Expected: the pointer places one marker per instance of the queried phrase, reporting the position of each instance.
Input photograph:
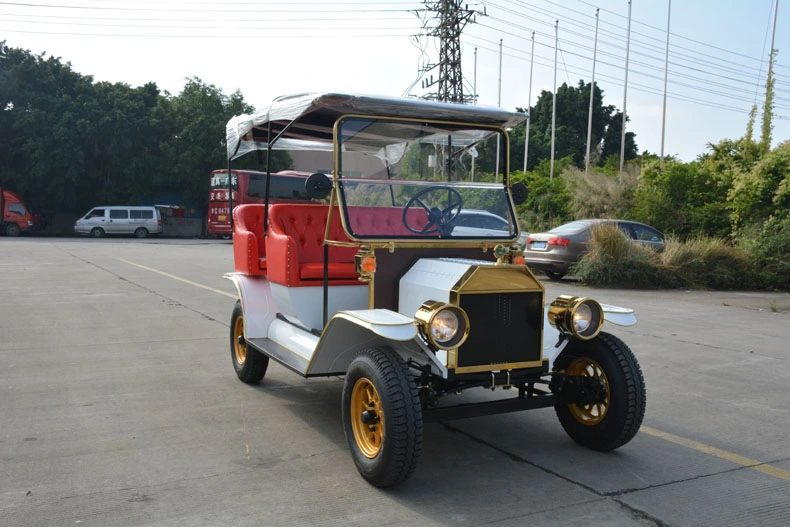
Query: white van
(140, 221)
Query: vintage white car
(372, 281)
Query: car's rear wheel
(382, 417)
(141, 232)
(616, 416)
(250, 364)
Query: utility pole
(452, 20)
(554, 99)
(625, 95)
(529, 101)
(666, 75)
(499, 105)
(592, 92)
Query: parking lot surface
(119, 406)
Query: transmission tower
(452, 20)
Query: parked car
(140, 221)
(554, 252)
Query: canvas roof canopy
(306, 121)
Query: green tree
(762, 191)
(612, 141)
(573, 105)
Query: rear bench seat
(293, 253)
(249, 249)
(295, 247)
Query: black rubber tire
(554, 275)
(97, 232)
(141, 232)
(252, 367)
(12, 229)
(627, 397)
(401, 444)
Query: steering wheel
(438, 219)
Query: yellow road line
(723, 454)
(184, 280)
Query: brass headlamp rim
(425, 316)
(561, 313)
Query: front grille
(505, 329)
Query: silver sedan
(555, 251)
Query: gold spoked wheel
(367, 417)
(590, 414)
(239, 344)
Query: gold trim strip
(498, 367)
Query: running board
(281, 354)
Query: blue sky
(718, 52)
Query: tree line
(68, 143)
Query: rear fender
(257, 303)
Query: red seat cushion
(315, 271)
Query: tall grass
(613, 260)
(601, 195)
(702, 262)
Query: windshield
(407, 179)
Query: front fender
(349, 332)
(620, 316)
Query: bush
(770, 253)
(701, 262)
(704, 262)
(601, 195)
(614, 260)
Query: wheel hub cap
(367, 418)
(594, 413)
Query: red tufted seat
(295, 247)
(249, 250)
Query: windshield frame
(502, 183)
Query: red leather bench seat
(295, 247)
(249, 249)
(293, 252)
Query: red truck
(16, 216)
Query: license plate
(538, 245)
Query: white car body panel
(305, 305)
(431, 279)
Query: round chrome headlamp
(445, 326)
(580, 317)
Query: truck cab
(16, 215)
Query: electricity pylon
(452, 20)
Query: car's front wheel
(615, 417)
(12, 229)
(382, 417)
